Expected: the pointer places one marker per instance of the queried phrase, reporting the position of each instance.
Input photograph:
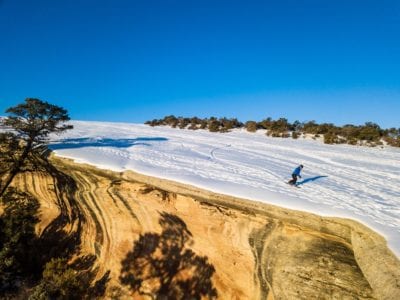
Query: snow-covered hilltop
(338, 180)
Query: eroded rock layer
(146, 236)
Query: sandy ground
(149, 236)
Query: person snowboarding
(295, 174)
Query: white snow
(361, 183)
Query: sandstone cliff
(144, 235)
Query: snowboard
(294, 185)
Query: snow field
(338, 180)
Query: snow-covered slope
(338, 180)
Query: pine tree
(33, 121)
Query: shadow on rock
(40, 264)
(56, 240)
(85, 265)
(163, 267)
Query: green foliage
(368, 134)
(152, 123)
(194, 123)
(213, 125)
(10, 150)
(59, 281)
(265, 124)
(251, 126)
(203, 124)
(278, 128)
(193, 127)
(280, 125)
(26, 259)
(391, 136)
(296, 126)
(17, 238)
(330, 138)
(23, 254)
(183, 122)
(228, 124)
(395, 142)
(310, 127)
(35, 119)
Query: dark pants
(294, 180)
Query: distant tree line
(212, 124)
(370, 133)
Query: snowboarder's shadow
(309, 179)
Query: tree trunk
(17, 167)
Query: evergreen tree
(33, 121)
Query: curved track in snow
(338, 180)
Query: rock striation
(158, 238)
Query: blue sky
(329, 61)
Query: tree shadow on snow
(309, 180)
(103, 142)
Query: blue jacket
(297, 171)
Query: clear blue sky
(127, 60)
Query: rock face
(155, 238)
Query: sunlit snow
(361, 183)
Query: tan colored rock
(231, 247)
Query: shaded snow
(338, 180)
